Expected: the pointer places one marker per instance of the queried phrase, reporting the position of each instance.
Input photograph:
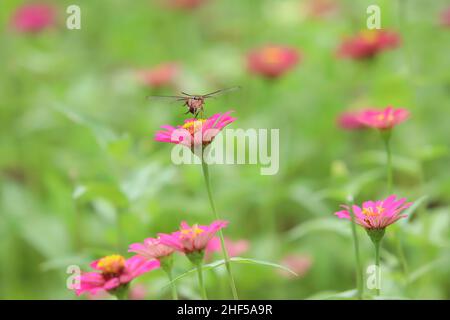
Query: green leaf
(319, 225)
(410, 211)
(219, 263)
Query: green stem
(172, 285)
(222, 240)
(359, 275)
(386, 138)
(377, 263)
(401, 255)
(200, 281)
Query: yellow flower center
(370, 212)
(272, 55)
(370, 36)
(194, 126)
(194, 231)
(382, 117)
(112, 264)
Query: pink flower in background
(151, 248)
(300, 264)
(33, 17)
(383, 119)
(195, 132)
(376, 214)
(320, 8)
(368, 43)
(192, 239)
(112, 272)
(445, 17)
(349, 120)
(234, 248)
(272, 61)
(185, 4)
(161, 75)
(137, 292)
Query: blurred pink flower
(161, 75)
(300, 264)
(368, 43)
(234, 248)
(349, 120)
(376, 214)
(192, 239)
(33, 17)
(137, 292)
(445, 17)
(383, 119)
(185, 4)
(195, 132)
(114, 272)
(272, 61)
(320, 8)
(151, 248)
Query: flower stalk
(167, 265)
(376, 235)
(216, 216)
(359, 274)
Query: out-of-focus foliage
(81, 177)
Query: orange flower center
(272, 55)
(369, 36)
(194, 126)
(112, 264)
(382, 117)
(193, 232)
(373, 213)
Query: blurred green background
(81, 177)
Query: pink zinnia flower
(272, 61)
(300, 264)
(185, 4)
(445, 17)
(234, 248)
(368, 43)
(33, 17)
(195, 132)
(320, 8)
(151, 248)
(114, 271)
(383, 119)
(376, 214)
(159, 76)
(349, 120)
(192, 239)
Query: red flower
(445, 17)
(161, 75)
(368, 43)
(33, 17)
(272, 61)
(349, 120)
(185, 4)
(383, 119)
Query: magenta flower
(234, 248)
(33, 17)
(151, 249)
(445, 17)
(192, 239)
(159, 76)
(383, 119)
(195, 132)
(368, 43)
(114, 271)
(349, 120)
(376, 214)
(272, 61)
